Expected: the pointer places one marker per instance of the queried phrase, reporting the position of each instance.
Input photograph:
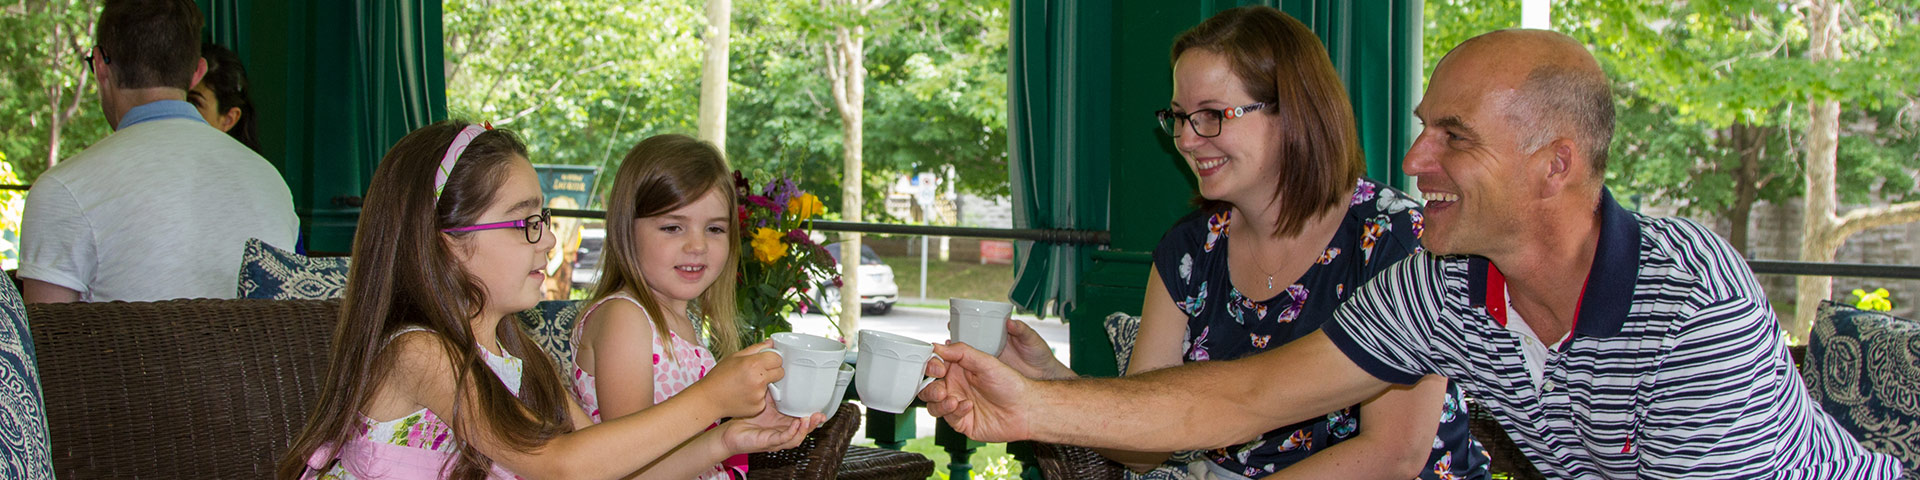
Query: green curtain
(1085, 78)
(1052, 42)
(335, 83)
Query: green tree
(1872, 57)
(581, 80)
(935, 94)
(584, 80)
(51, 110)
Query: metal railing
(1046, 235)
(1818, 269)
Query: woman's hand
(768, 431)
(1028, 354)
(737, 386)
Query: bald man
(1608, 344)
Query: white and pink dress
(671, 374)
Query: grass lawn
(949, 280)
(990, 462)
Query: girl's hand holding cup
(768, 431)
(738, 383)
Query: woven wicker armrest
(869, 463)
(817, 457)
(1062, 462)
(1504, 455)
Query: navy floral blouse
(1382, 227)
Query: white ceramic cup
(840, 384)
(981, 324)
(892, 369)
(811, 363)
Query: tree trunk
(1818, 242)
(847, 73)
(1749, 144)
(1825, 229)
(713, 73)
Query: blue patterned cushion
(1121, 330)
(24, 451)
(1864, 369)
(551, 325)
(274, 274)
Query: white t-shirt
(158, 210)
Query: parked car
(878, 293)
(586, 266)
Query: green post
(1029, 463)
(890, 430)
(959, 450)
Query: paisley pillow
(274, 274)
(24, 448)
(1863, 368)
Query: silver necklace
(1263, 268)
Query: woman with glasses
(1286, 230)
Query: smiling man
(1609, 344)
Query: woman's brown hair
(1283, 64)
(660, 174)
(405, 275)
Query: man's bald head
(1557, 88)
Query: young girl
(426, 380)
(670, 243)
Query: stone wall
(1776, 233)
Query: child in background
(426, 380)
(671, 233)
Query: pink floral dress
(671, 375)
(414, 446)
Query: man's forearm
(1201, 405)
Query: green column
(891, 430)
(959, 450)
(335, 83)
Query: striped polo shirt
(1675, 368)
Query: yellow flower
(767, 245)
(805, 206)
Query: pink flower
(766, 203)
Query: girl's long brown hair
(660, 174)
(403, 274)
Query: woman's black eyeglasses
(1204, 122)
(534, 225)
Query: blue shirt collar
(1608, 294)
(1616, 268)
(159, 110)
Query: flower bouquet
(779, 262)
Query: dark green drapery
(1085, 79)
(335, 83)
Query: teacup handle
(771, 388)
(923, 385)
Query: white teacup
(981, 324)
(811, 362)
(840, 384)
(892, 370)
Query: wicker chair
(1505, 456)
(181, 388)
(1064, 462)
(869, 463)
(818, 457)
